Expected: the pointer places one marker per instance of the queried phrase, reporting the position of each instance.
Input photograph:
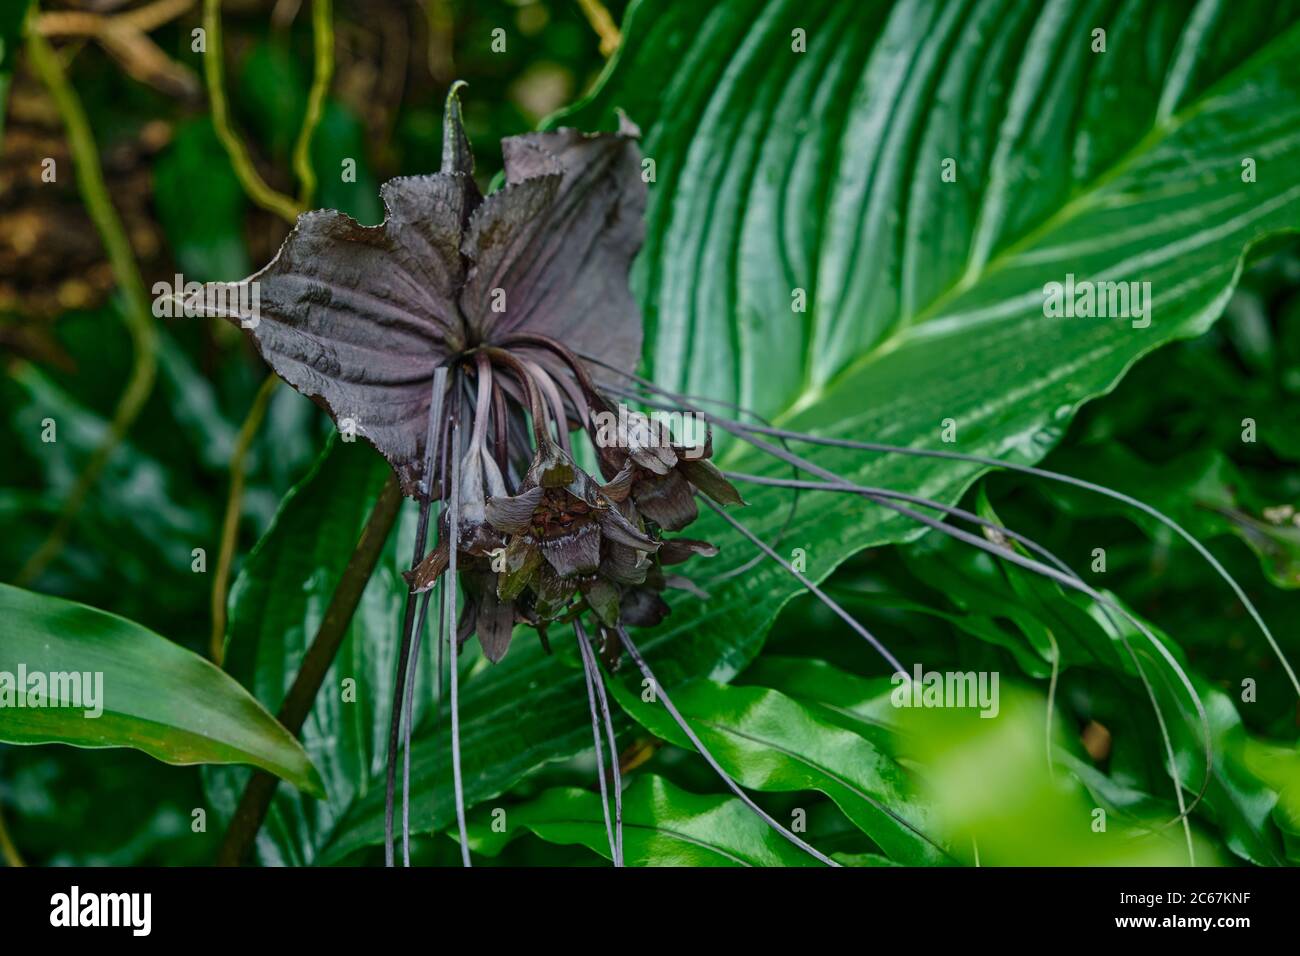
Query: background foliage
(774, 171)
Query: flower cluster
(479, 292)
(565, 543)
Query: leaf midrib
(1081, 201)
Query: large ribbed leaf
(822, 171)
(781, 175)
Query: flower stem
(135, 309)
(256, 799)
(230, 523)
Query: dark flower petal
(468, 617)
(656, 460)
(705, 476)
(358, 317)
(552, 468)
(620, 486)
(551, 593)
(425, 574)
(559, 240)
(643, 607)
(513, 514)
(522, 558)
(648, 441)
(677, 550)
(495, 622)
(614, 527)
(703, 450)
(573, 552)
(624, 565)
(680, 583)
(602, 598)
(667, 501)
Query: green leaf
(857, 703)
(770, 742)
(204, 226)
(778, 171)
(663, 825)
(1202, 490)
(156, 696)
(1279, 767)
(1050, 620)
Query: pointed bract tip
(626, 126)
(457, 156)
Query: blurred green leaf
(205, 226)
(271, 94)
(1001, 804)
(149, 693)
(141, 518)
(338, 152)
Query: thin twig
(322, 26)
(8, 851)
(256, 799)
(135, 308)
(213, 72)
(603, 24)
(230, 523)
(125, 37)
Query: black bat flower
(463, 338)
(448, 337)
(358, 317)
(459, 337)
